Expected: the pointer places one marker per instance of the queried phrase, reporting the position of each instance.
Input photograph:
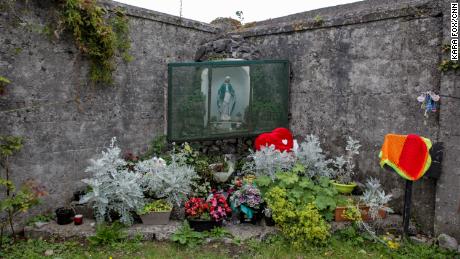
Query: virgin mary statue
(226, 100)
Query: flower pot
(254, 220)
(64, 215)
(156, 218)
(340, 214)
(269, 221)
(344, 188)
(203, 225)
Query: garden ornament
(281, 138)
(429, 102)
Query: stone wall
(357, 70)
(65, 119)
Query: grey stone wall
(64, 119)
(357, 70)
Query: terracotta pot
(339, 214)
(203, 225)
(156, 218)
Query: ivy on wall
(100, 39)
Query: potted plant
(156, 213)
(344, 167)
(247, 201)
(64, 215)
(370, 206)
(204, 215)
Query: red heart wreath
(281, 138)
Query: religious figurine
(226, 100)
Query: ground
(337, 247)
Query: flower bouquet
(247, 201)
(206, 214)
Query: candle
(78, 219)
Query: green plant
(108, 234)
(40, 218)
(156, 206)
(95, 36)
(447, 65)
(187, 236)
(14, 202)
(318, 19)
(3, 82)
(157, 147)
(113, 187)
(120, 26)
(219, 232)
(302, 225)
(301, 191)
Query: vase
(344, 188)
(156, 218)
(203, 225)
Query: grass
(272, 248)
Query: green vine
(447, 65)
(97, 37)
(3, 82)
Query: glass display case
(220, 99)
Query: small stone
(49, 252)
(227, 240)
(448, 242)
(40, 224)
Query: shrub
(172, 182)
(302, 225)
(113, 187)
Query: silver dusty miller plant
(113, 187)
(375, 197)
(345, 166)
(172, 182)
(268, 161)
(310, 154)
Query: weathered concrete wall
(64, 119)
(447, 192)
(357, 70)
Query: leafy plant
(95, 36)
(172, 182)
(3, 82)
(310, 155)
(301, 191)
(14, 202)
(374, 196)
(113, 187)
(108, 234)
(267, 161)
(156, 206)
(302, 225)
(157, 147)
(40, 218)
(345, 165)
(187, 236)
